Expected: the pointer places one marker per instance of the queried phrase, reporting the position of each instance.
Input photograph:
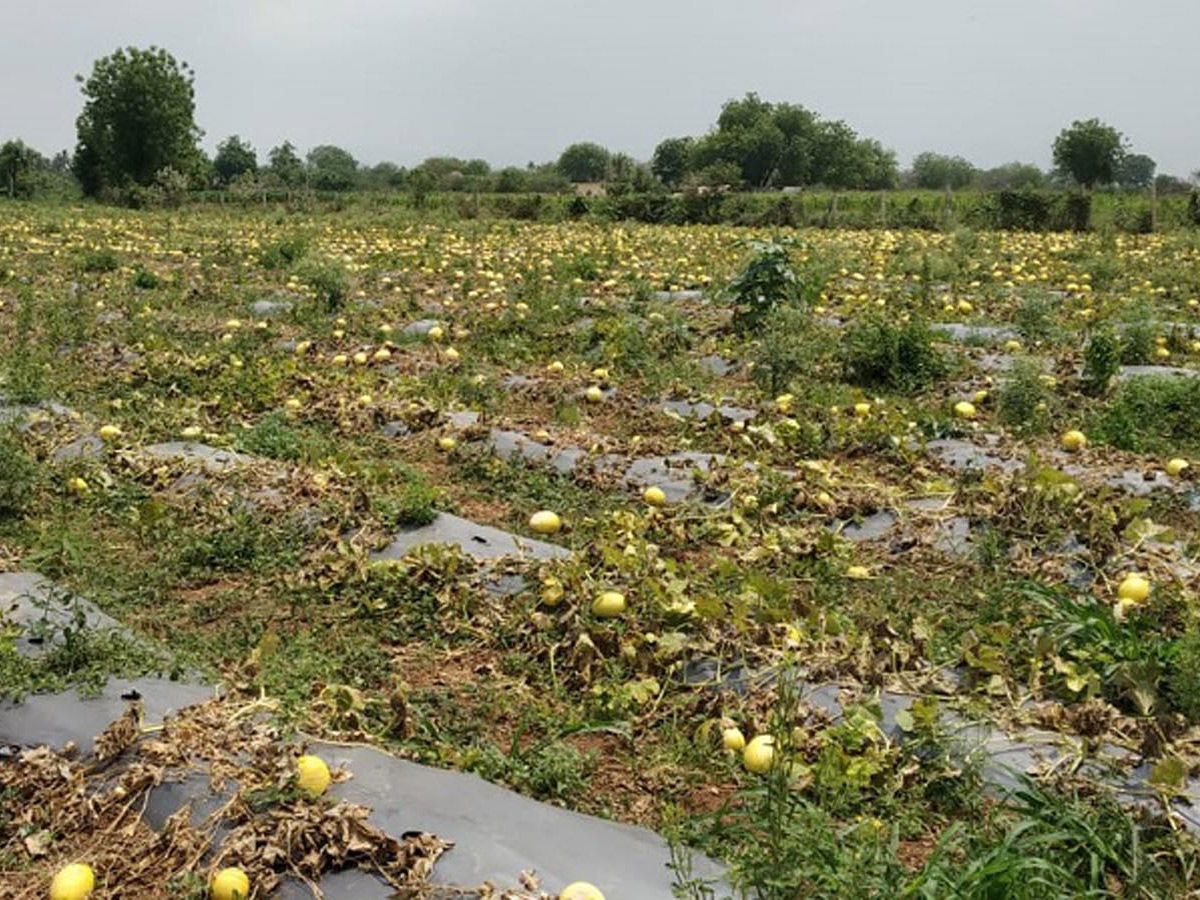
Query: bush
(1137, 341)
(1153, 414)
(767, 280)
(876, 353)
(1022, 210)
(146, 280)
(103, 260)
(1183, 676)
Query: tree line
(138, 143)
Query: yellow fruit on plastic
(609, 605)
(1074, 440)
(759, 755)
(312, 775)
(733, 740)
(594, 394)
(654, 496)
(72, 882)
(229, 884)
(581, 890)
(110, 432)
(446, 444)
(436, 333)
(862, 409)
(545, 522)
(1133, 589)
(964, 409)
(1176, 465)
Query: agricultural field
(909, 513)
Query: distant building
(590, 189)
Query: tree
(332, 168)
(511, 180)
(938, 172)
(234, 157)
(285, 164)
(786, 144)
(1136, 171)
(1012, 176)
(137, 119)
(584, 162)
(385, 175)
(1089, 152)
(16, 159)
(1171, 184)
(671, 160)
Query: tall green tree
(772, 144)
(16, 160)
(1136, 171)
(332, 168)
(939, 172)
(284, 163)
(671, 159)
(584, 161)
(1089, 152)
(138, 119)
(234, 157)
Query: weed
(1022, 402)
(1034, 318)
(145, 280)
(1101, 362)
(284, 252)
(18, 478)
(876, 353)
(272, 437)
(767, 280)
(329, 280)
(790, 344)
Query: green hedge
(1034, 210)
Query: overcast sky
(516, 80)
